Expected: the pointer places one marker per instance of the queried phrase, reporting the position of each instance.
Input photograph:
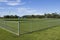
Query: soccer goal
(11, 24)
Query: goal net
(11, 25)
(36, 24)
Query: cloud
(19, 11)
(28, 11)
(3, 0)
(10, 0)
(14, 3)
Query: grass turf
(47, 34)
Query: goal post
(18, 26)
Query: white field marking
(9, 31)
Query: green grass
(9, 25)
(13, 25)
(5, 35)
(49, 34)
(29, 25)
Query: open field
(33, 29)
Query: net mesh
(32, 25)
(9, 25)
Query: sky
(28, 7)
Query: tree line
(10, 16)
(48, 15)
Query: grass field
(33, 29)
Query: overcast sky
(28, 7)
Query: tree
(11, 16)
